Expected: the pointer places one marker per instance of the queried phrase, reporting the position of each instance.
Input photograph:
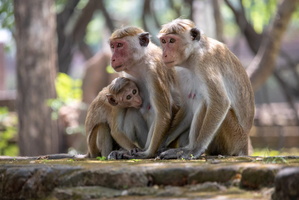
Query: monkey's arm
(217, 106)
(180, 123)
(134, 127)
(116, 124)
(139, 130)
(160, 99)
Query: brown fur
(101, 115)
(126, 31)
(176, 28)
(225, 116)
(155, 81)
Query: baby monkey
(116, 98)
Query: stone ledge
(86, 178)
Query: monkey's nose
(113, 60)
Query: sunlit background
(82, 67)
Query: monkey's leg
(93, 150)
(188, 152)
(231, 139)
(104, 140)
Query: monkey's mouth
(169, 63)
(117, 67)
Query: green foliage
(8, 131)
(101, 158)
(68, 90)
(109, 69)
(94, 27)
(3, 113)
(260, 12)
(265, 152)
(6, 14)
(275, 160)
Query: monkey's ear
(111, 99)
(195, 34)
(144, 39)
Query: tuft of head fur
(118, 84)
(177, 26)
(126, 31)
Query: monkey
(137, 58)
(120, 95)
(221, 92)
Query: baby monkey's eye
(128, 97)
(134, 91)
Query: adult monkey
(223, 114)
(140, 60)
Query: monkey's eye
(172, 40)
(128, 97)
(111, 46)
(119, 44)
(163, 41)
(134, 91)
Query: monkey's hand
(135, 151)
(119, 155)
(179, 153)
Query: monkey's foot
(119, 155)
(178, 153)
(141, 154)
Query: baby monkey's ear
(111, 99)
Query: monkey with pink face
(137, 58)
(222, 99)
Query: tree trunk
(264, 62)
(218, 21)
(2, 67)
(36, 71)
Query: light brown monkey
(223, 100)
(114, 99)
(140, 60)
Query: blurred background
(54, 59)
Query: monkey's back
(236, 80)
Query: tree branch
(263, 64)
(109, 21)
(65, 43)
(83, 20)
(245, 27)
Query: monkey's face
(128, 97)
(120, 54)
(131, 98)
(173, 49)
(128, 51)
(177, 48)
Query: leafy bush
(8, 133)
(68, 91)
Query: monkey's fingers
(119, 155)
(178, 153)
(135, 151)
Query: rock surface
(209, 178)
